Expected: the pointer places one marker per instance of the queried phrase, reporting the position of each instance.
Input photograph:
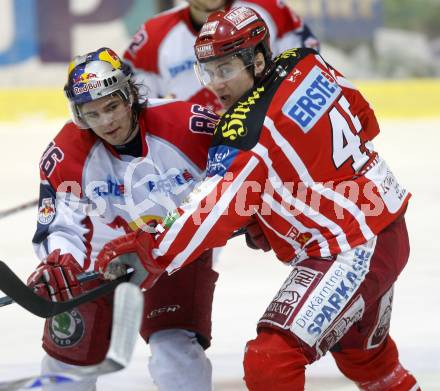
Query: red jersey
(296, 152)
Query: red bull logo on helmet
(111, 57)
(87, 87)
(84, 78)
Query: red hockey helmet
(234, 33)
(231, 32)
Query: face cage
(125, 93)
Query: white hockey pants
(177, 363)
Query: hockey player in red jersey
(294, 149)
(161, 53)
(118, 165)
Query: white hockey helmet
(93, 76)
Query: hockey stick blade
(12, 286)
(127, 316)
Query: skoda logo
(66, 329)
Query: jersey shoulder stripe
(64, 158)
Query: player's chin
(227, 101)
(119, 137)
(114, 140)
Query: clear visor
(220, 70)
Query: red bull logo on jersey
(311, 99)
(46, 212)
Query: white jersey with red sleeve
(90, 194)
(296, 152)
(162, 51)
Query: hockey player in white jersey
(161, 53)
(117, 166)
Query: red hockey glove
(131, 250)
(255, 238)
(55, 277)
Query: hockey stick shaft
(18, 292)
(83, 277)
(127, 316)
(18, 208)
(12, 286)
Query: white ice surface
(248, 279)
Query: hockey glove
(255, 238)
(55, 277)
(130, 251)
